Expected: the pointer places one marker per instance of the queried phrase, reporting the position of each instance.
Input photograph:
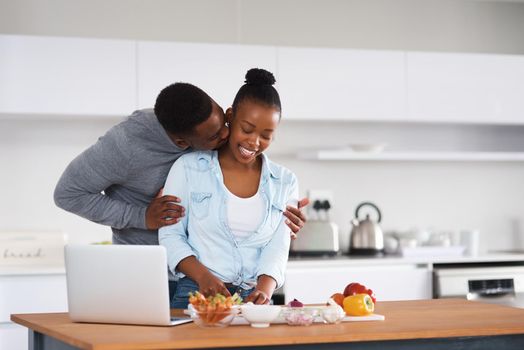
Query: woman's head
(259, 88)
(254, 116)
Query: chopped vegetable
(213, 308)
(295, 303)
(295, 316)
(358, 305)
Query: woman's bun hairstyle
(258, 87)
(257, 76)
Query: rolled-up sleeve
(274, 256)
(175, 237)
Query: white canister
(470, 240)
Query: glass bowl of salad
(213, 318)
(213, 311)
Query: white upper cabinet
(218, 69)
(339, 84)
(72, 76)
(53, 76)
(474, 88)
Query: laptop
(122, 284)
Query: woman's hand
(295, 217)
(258, 297)
(208, 284)
(264, 290)
(211, 285)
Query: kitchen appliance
(367, 237)
(317, 237)
(499, 283)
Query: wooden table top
(421, 319)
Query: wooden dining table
(421, 324)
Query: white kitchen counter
(301, 262)
(31, 270)
(346, 261)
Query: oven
(500, 283)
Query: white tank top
(244, 215)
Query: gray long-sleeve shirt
(129, 164)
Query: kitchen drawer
(316, 285)
(33, 293)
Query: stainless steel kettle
(366, 235)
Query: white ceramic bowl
(260, 316)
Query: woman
(233, 237)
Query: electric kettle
(366, 235)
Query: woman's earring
(226, 124)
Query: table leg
(39, 341)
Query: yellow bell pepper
(358, 305)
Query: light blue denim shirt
(196, 178)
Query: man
(118, 180)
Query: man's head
(190, 117)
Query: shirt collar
(212, 158)
(268, 165)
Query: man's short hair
(180, 107)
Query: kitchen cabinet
(57, 76)
(13, 336)
(391, 277)
(469, 88)
(28, 293)
(218, 69)
(341, 84)
(51, 76)
(394, 282)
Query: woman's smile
(246, 153)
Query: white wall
(488, 196)
(444, 196)
(439, 195)
(33, 155)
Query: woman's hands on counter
(208, 284)
(262, 294)
(211, 285)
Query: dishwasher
(499, 283)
